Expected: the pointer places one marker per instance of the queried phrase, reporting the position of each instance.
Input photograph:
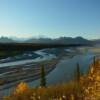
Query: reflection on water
(65, 68)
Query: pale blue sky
(50, 18)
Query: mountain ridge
(60, 40)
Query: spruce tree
(94, 59)
(43, 79)
(78, 73)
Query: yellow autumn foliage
(98, 78)
(22, 87)
(91, 70)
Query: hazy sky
(50, 18)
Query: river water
(64, 70)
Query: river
(64, 70)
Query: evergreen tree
(94, 59)
(43, 79)
(78, 75)
(77, 72)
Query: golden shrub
(21, 88)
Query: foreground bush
(69, 91)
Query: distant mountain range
(61, 40)
(96, 41)
(6, 40)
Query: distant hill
(40, 40)
(6, 40)
(96, 41)
(61, 40)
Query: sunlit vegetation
(64, 91)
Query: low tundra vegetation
(68, 91)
